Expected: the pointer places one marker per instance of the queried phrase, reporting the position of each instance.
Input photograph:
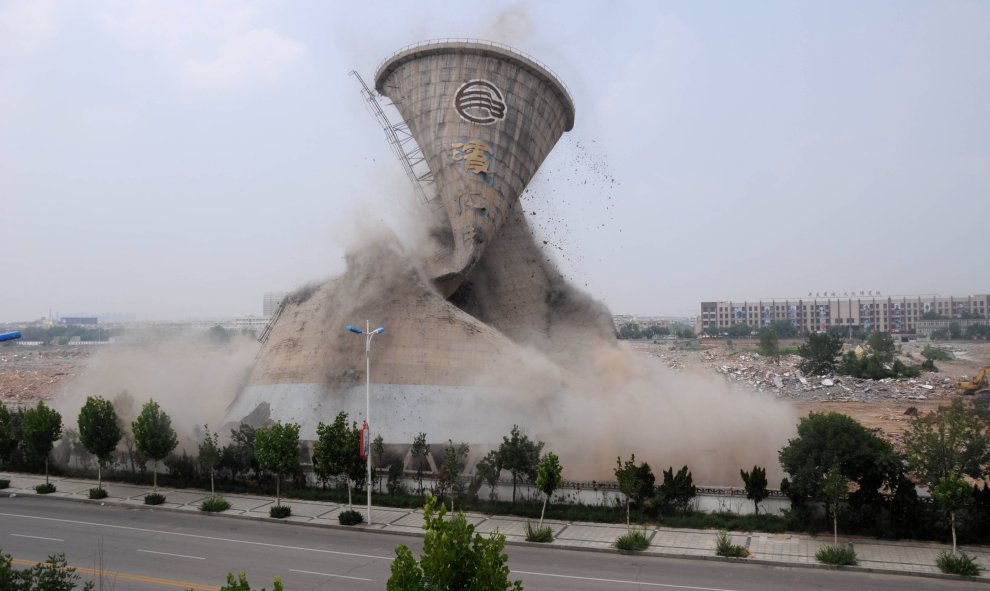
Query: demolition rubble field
(30, 374)
(885, 406)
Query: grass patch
(957, 564)
(633, 540)
(280, 511)
(535, 533)
(154, 499)
(97, 493)
(350, 517)
(837, 555)
(4, 483)
(725, 547)
(214, 505)
(45, 489)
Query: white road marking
(195, 536)
(267, 545)
(309, 572)
(665, 585)
(37, 538)
(170, 554)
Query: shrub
(44, 489)
(350, 517)
(633, 540)
(957, 564)
(4, 483)
(725, 547)
(280, 511)
(214, 505)
(97, 493)
(542, 534)
(154, 499)
(837, 555)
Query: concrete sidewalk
(899, 557)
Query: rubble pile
(27, 376)
(786, 381)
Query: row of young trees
(32, 432)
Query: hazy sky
(179, 159)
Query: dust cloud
(620, 402)
(192, 378)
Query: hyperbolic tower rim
(480, 47)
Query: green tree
(770, 344)
(635, 481)
(820, 352)
(454, 558)
(241, 583)
(827, 440)
(209, 455)
(378, 458)
(419, 451)
(943, 448)
(238, 455)
(951, 443)
(739, 330)
(153, 435)
(54, 574)
(676, 490)
(99, 431)
(835, 488)
(277, 449)
(755, 482)
(785, 329)
(337, 452)
(8, 441)
(520, 456)
(548, 479)
(40, 427)
(951, 492)
(955, 330)
(882, 347)
(448, 478)
(489, 470)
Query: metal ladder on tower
(403, 145)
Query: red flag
(365, 444)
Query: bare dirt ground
(29, 374)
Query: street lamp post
(368, 334)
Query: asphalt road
(152, 550)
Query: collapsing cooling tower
(485, 117)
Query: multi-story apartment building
(818, 312)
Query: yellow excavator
(978, 384)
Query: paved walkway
(781, 549)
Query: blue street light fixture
(368, 334)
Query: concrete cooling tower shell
(485, 117)
(466, 330)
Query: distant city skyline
(178, 160)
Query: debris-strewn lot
(29, 374)
(883, 405)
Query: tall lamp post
(368, 334)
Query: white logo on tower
(479, 101)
